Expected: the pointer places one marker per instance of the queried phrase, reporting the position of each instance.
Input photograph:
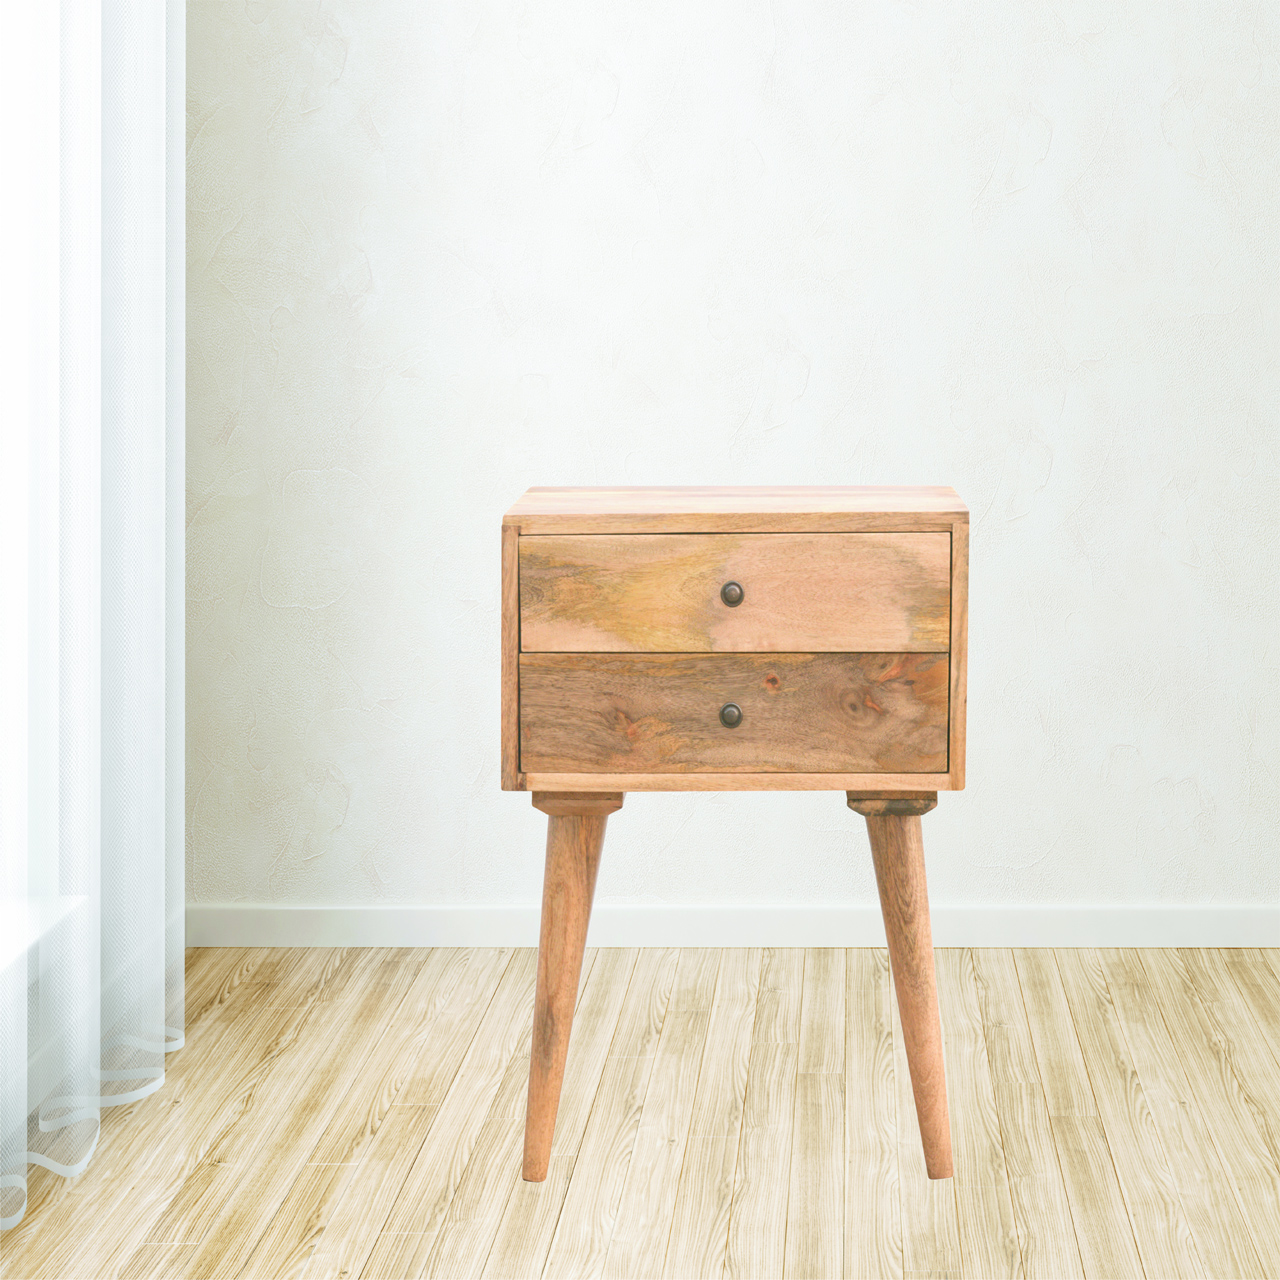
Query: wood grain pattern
(1041, 1213)
(733, 781)
(307, 1211)
(230, 1048)
(441, 1031)
(1160, 1226)
(1104, 1232)
(700, 1217)
(510, 672)
(872, 1205)
(756, 1248)
(930, 1225)
(315, 1088)
(762, 509)
(477, 1206)
(659, 713)
(523, 1237)
(638, 1243)
(233, 1042)
(897, 850)
(1190, 1043)
(577, 804)
(1088, 1170)
(959, 648)
(815, 1212)
(822, 593)
(1223, 1065)
(585, 1227)
(887, 804)
(1062, 1070)
(568, 886)
(1202, 1154)
(988, 1237)
(404, 1244)
(1256, 981)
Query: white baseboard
(255, 924)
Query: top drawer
(801, 593)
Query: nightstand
(734, 639)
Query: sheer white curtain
(91, 553)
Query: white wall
(441, 252)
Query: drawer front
(802, 593)
(800, 713)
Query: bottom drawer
(800, 712)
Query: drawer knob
(731, 715)
(731, 593)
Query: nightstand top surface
(780, 506)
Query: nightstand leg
(575, 836)
(897, 848)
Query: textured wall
(441, 252)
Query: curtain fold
(91, 881)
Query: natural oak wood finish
(577, 804)
(834, 592)
(738, 509)
(882, 804)
(660, 713)
(832, 669)
(897, 849)
(1203, 1065)
(575, 836)
(572, 532)
(959, 649)
(510, 658)
(858, 782)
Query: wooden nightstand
(749, 639)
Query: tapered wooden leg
(897, 848)
(575, 836)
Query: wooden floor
(744, 1113)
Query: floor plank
(314, 1087)
(1208, 1195)
(338, 1113)
(283, 1249)
(462, 1244)
(585, 1226)
(523, 1236)
(1231, 1106)
(1259, 986)
(638, 1243)
(872, 1207)
(815, 1205)
(159, 1141)
(1160, 1227)
(440, 1038)
(1041, 1212)
(405, 1242)
(984, 1208)
(1103, 1230)
(756, 1246)
(930, 1226)
(700, 1216)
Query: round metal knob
(731, 593)
(731, 715)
